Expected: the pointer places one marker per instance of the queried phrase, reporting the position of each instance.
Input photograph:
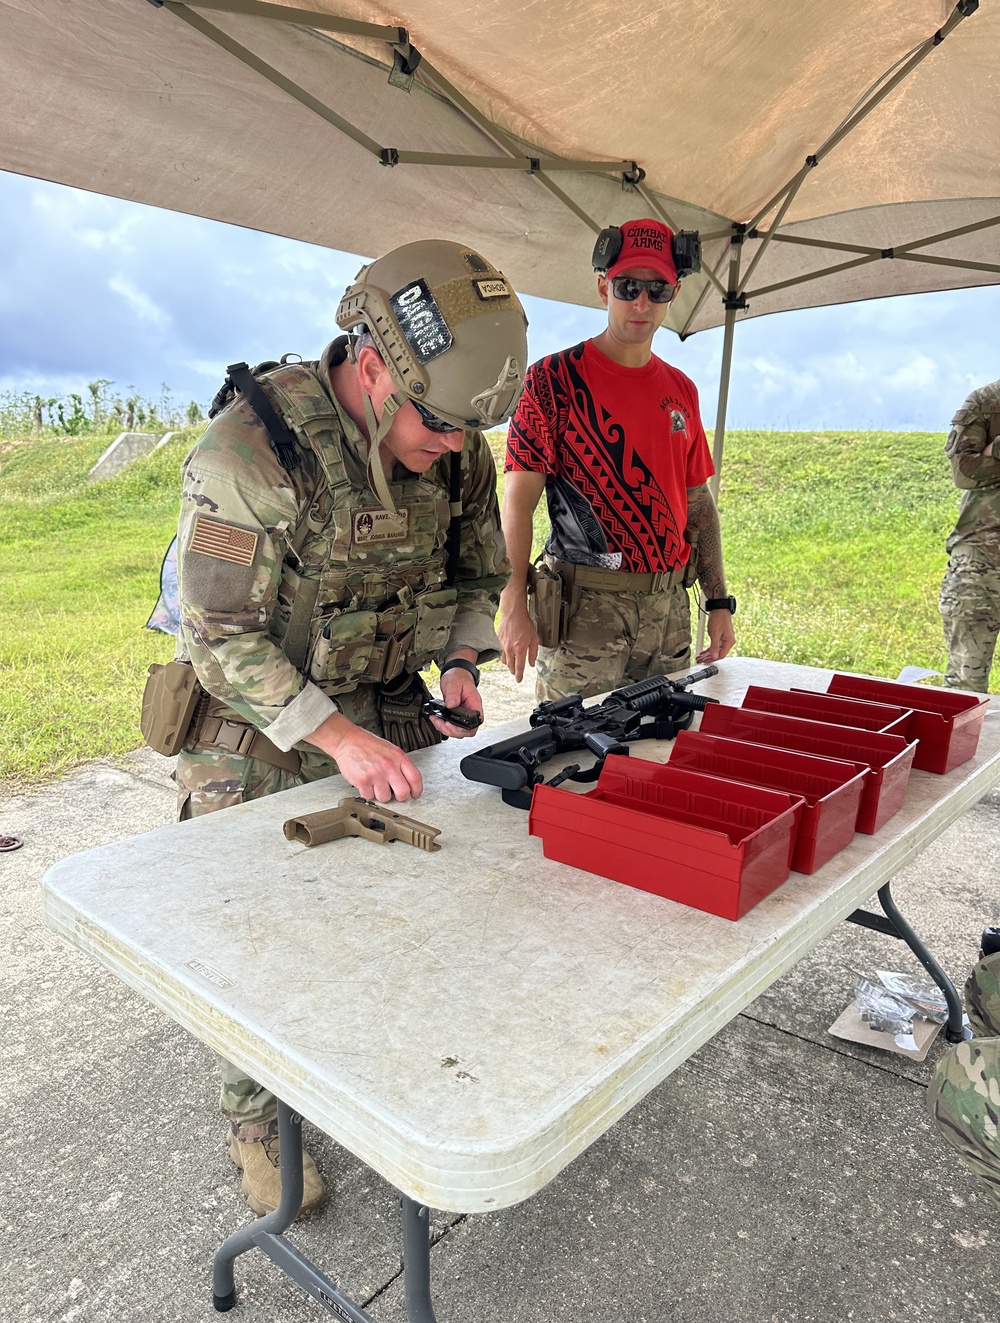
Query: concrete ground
(779, 1176)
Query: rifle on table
(653, 709)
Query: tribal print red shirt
(619, 447)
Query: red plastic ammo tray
(946, 722)
(716, 845)
(891, 719)
(887, 757)
(832, 790)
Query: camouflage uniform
(964, 1096)
(616, 638)
(970, 593)
(300, 594)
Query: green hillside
(834, 546)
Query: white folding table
(469, 1021)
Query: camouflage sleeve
(483, 567)
(971, 432)
(237, 505)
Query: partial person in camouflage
(970, 592)
(964, 1096)
(328, 555)
(613, 436)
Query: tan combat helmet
(450, 329)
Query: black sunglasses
(432, 422)
(628, 289)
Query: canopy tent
(826, 152)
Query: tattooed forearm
(703, 521)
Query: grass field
(834, 546)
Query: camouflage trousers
(964, 1095)
(970, 613)
(615, 639)
(210, 779)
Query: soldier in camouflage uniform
(613, 436)
(970, 593)
(964, 1096)
(316, 578)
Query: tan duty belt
(617, 581)
(219, 732)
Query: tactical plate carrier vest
(363, 595)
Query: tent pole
(873, 257)
(734, 302)
(313, 18)
(811, 242)
(723, 402)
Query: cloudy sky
(94, 287)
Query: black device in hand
(653, 709)
(464, 717)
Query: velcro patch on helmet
(421, 320)
(373, 527)
(492, 289)
(223, 541)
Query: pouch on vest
(435, 616)
(400, 709)
(545, 596)
(168, 703)
(342, 651)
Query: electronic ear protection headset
(685, 247)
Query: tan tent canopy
(826, 151)
(284, 124)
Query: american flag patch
(223, 541)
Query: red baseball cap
(646, 243)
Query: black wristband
(721, 604)
(471, 667)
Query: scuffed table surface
(469, 1021)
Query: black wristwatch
(721, 604)
(471, 667)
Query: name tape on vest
(224, 541)
(379, 526)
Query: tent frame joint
(405, 59)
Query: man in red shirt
(613, 436)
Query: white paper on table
(911, 674)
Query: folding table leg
(267, 1235)
(894, 925)
(417, 1262)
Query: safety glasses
(432, 422)
(628, 289)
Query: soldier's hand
(458, 689)
(721, 637)
(379, 770)
(519, 640)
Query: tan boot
(258, 1161)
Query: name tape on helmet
(421, 321)
(492, 289)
